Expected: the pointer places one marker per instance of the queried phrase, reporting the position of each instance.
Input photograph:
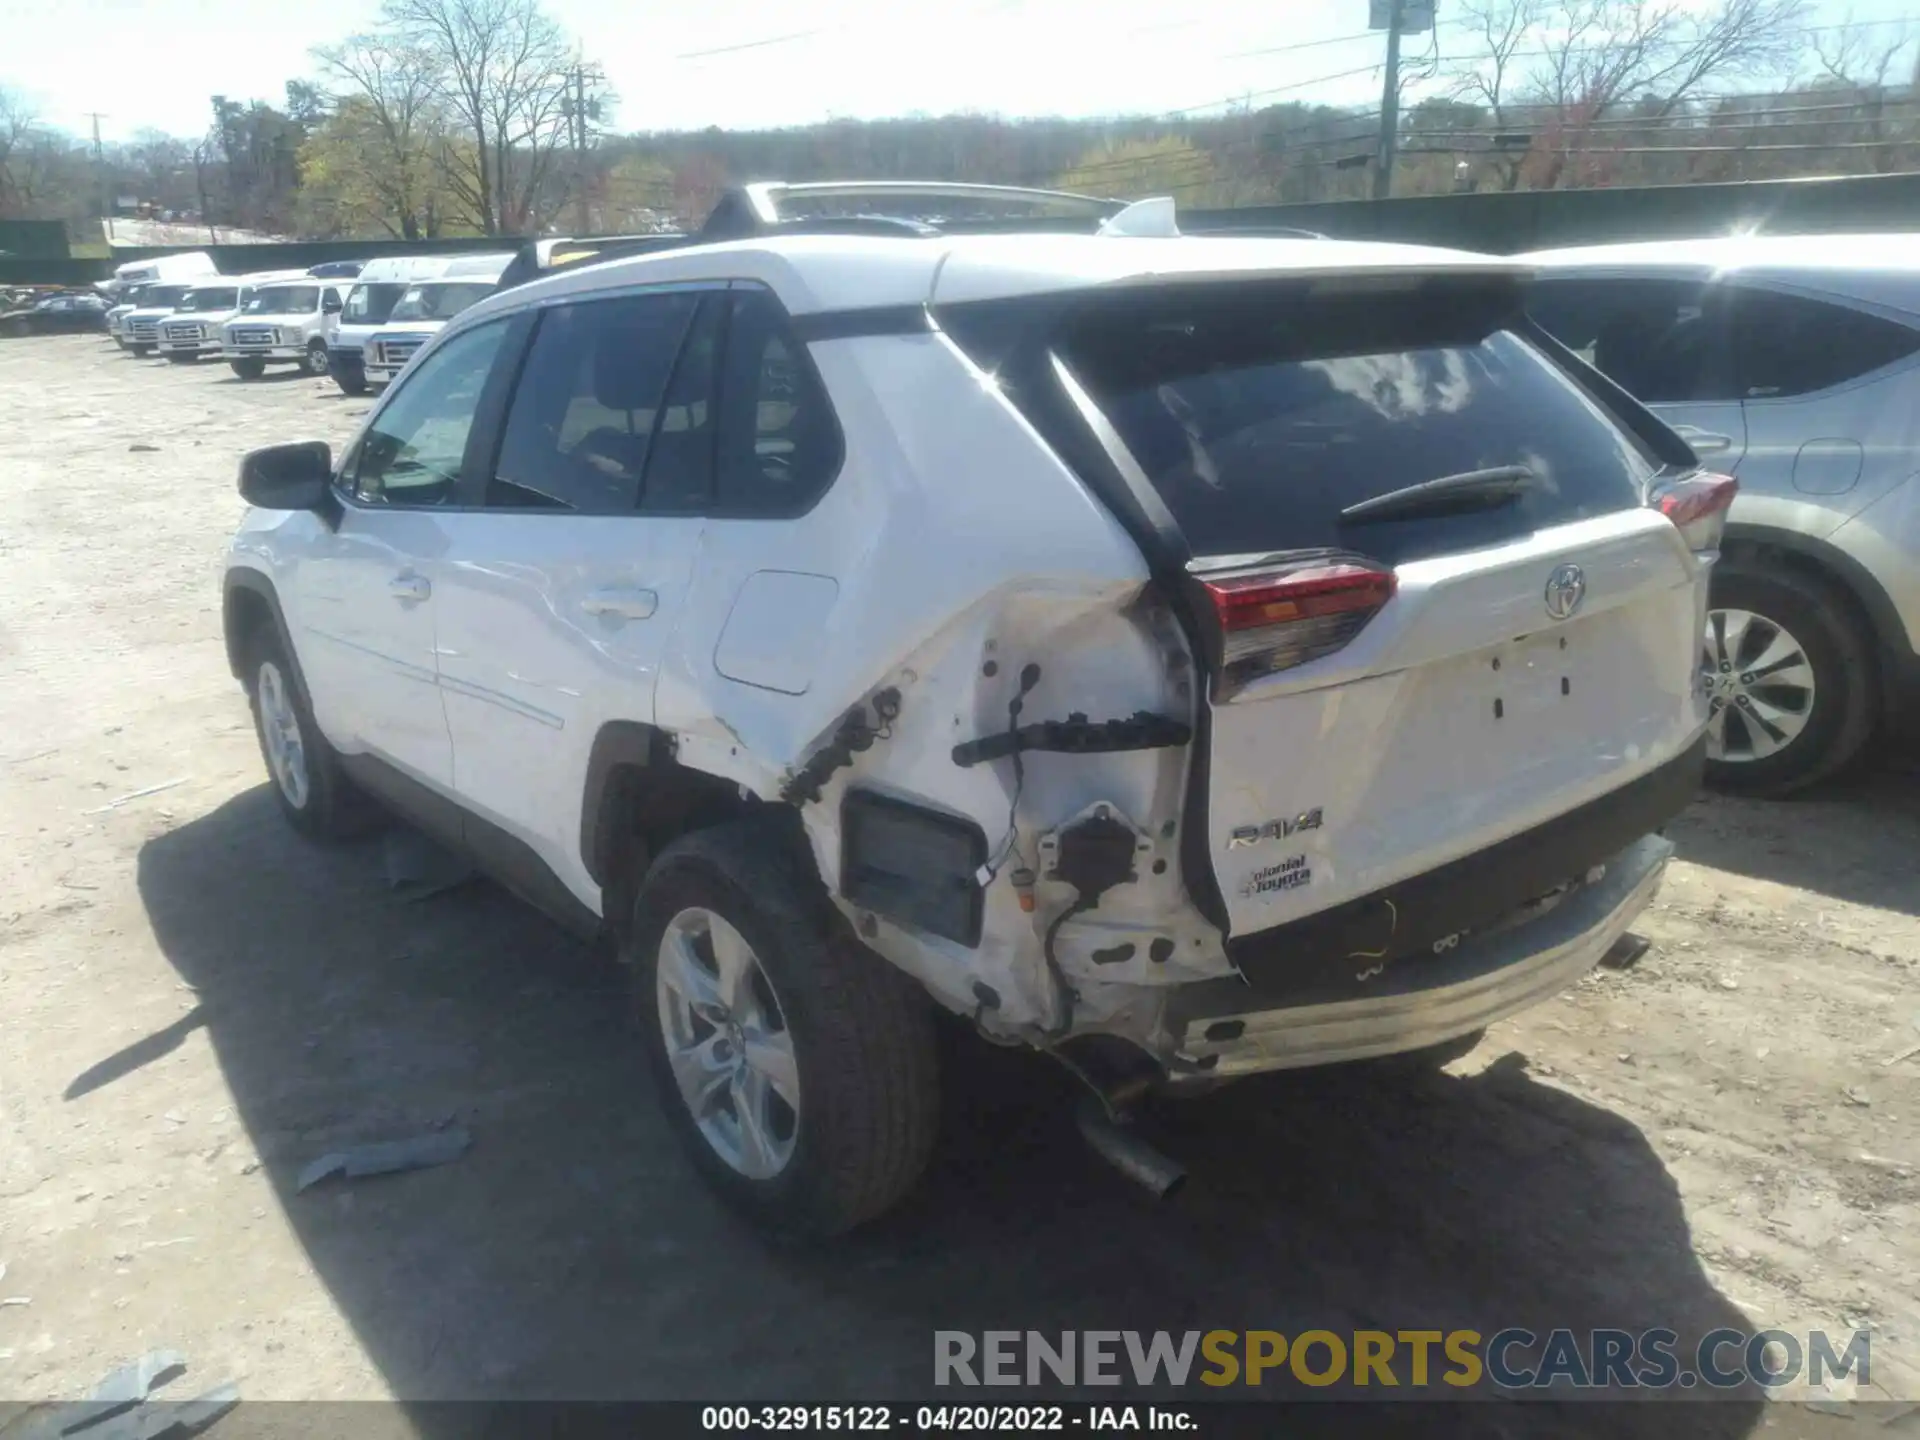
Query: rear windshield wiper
(1449, 495)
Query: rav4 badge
(1246, 836)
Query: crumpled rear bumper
(1482, 980)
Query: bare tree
(1854, 64)
(1563, 68)
(393, 123)
(24, 154)
(1500, 76)
(502, 67)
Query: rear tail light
(1279, 616)
(1697, 505)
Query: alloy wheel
(280, 729)
(1760, 686)
(728, 1044)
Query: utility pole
(200, 184)
(100, 179)
(582, 221)
(1389, 104)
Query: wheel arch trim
(1886, 630)
(619, 745)
(243, 579)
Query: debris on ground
(1626, 952)
(420, 868)
(122, 1407)
(136, 795)
(139, 449)
(387, 1157)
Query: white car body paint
(951, 550)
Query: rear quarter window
(1259, 413)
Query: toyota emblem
(1566, 588)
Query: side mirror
(330, 305)
(295, 476)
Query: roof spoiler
(899, 207)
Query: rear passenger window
(779, 441)
(1788, 345)
(1652, 338)
(585, 414)
(680, 469)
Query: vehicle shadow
(280, 375)
(1853, 840)
(572, 1254)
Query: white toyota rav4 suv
(1187, 656)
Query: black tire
(140, 352)
(861, 1031)
(316, 363)
(1840, 654)
(248, 369)
(351, 379)
(332, 808)
(182, 357)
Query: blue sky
(736, 63)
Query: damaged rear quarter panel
(956, 544)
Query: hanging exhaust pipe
(1121, 1148)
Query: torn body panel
(1104, 652)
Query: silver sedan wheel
(1760, 686)
(280, 729)
(728, 1044)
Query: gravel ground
(195, 1004)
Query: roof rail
(862, 207)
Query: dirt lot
(195, 1004)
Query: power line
(1276, 90)
(1331, 40)
(761, 43)
(790, 36)
(1685, 149)
(1469, 60)
(1201, 170)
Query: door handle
(409, 587)
(625, 604)
(1704, 442)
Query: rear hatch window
(1261, 412)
